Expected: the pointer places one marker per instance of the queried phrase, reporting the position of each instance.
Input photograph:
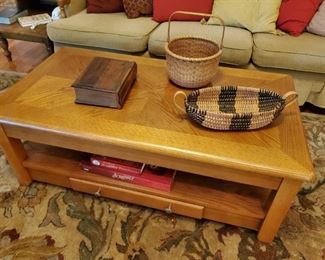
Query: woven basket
(192, 62)
(234, 107)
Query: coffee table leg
(4, 45)
(15, 154)
(49, 46)
(278, 209)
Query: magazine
(34, 20)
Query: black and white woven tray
(234, 107)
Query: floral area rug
(8, 78)
(49, 222)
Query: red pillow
(295, 15)
(162, 9)
(104, 6)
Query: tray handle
(178, 93)
(290, 97)
(197, 14)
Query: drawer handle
(169, 209)
(97, 193)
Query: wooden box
(105, 82)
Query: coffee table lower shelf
(192, 195)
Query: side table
(17, 32)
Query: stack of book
(137, 173)
(9, 14)
(34, 20)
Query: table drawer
(139, 198)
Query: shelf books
(9, 14)
(144, 175)
(119, 165)
(34, 20)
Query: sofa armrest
(71, 7)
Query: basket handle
(290, 97)
(197, 14)
(175, 102)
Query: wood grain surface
(242, 178)
(15, 154)
(59, 166)
(25, 56)
(149, 128)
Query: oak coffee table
(247, 179)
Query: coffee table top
(43, 102)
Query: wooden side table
(17, 32)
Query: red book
(122, 166)
(161, 181)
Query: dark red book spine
(118, 165)
(162, 182)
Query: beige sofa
(302, 57)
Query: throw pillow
(135, 8)
(296, 14)
(104, 6)
(317, 23)
(254, 15)
(162, 9)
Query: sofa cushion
(75, 7)
(237, 42)
(254, 15)
(109, 31)
(304, 53)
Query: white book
(34, 20)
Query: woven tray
(234, 107)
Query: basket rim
(192, 59)
(231, 115)
(239, 87)
(274, 110)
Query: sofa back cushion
(296, 14)
(104, 6)
(136, 8)
(162, 9)
(75, 7)
(317, 23)
(254, 15)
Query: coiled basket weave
(234, 107)
(192, 62)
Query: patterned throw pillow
(135, 8)
(317, 23)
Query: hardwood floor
(25, 55)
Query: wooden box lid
(105, 74)
(105, 82)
